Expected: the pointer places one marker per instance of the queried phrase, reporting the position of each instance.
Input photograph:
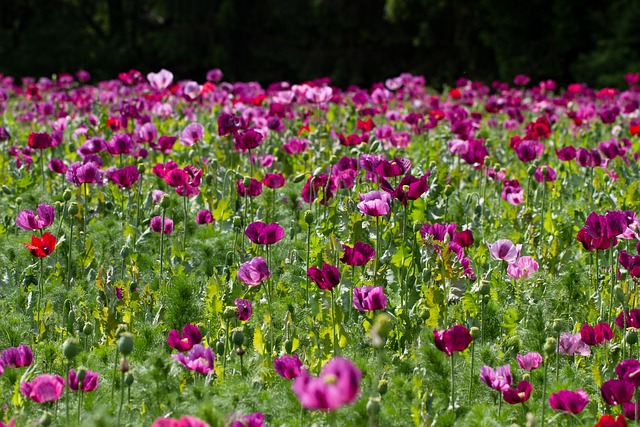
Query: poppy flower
(43, 388)
(184, 421)
(40, 141)
(199, 359)
(456, 338)
(191, 134)
(359, 255)
(375, 203)
(158, 227)
(57, 166)
(616, 392)
(274, 180)
(608, 420)
(317, 184)
(596, 335)
(160, 80)
(567, 153)
(41, 247)
(264, 234)
(569, 401)
(628, 319)
(629, 370)
(545, 174)
(368, 298)
(523, 268)
(254, 272)
(247, 140)
(295, 146)
(529, 361)
(571, 344)
(228, 124)
(17, 357)
(512, 192)
(396, 167)
(629, 410)
(254, 189)
(204, 216)
(476, 153)
(520, 394)
(337, 385)
(288, 367)
(184, 341)
(90, 382)
(409, 188)
(499, 379)
(87, 173)
(251, 420)
(326, 278)
(125, 177)
(244, 309)
(504, 250)
(42, 218)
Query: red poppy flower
(41, 247)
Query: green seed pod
(237, 337)
(142, 168)
(558, 325)
(425, 313)
(475, 332)
(246, 181)
(550, 346)
(308, 217)
(129, 380)
(73, 209)
(333, 159)
(6, 190)
(288, 346)
(531, 170)
(70, 348)
(485, 288)
(220, 347)
(373, 406)
(448, 190)
(383, 386)
(165, 202)
(81, 374)
(125, 343)
(229, 312)
(87, 329)
(237, 221)
(66, 195)
(631, 337)
(46, 419)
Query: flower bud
(426, 274)
(631, 337)
(237, 337)
(317, 171)
(81, 374)
(237, 221)
(87, 329)
(18, 201)
(485, 288)
(165, 202)
(298, 178)
(416, 227)
(383, 386)
(70, 348)
(448, 190)
(475, 332)
(124, 252)
(125, 343)
(288, 346)
(558, 325)
(6, 190)
(308, 217)
(124, 365)
(73, 208)
(380, 330)
(375, 146)
(46, 419)
(142, 168)
(229, 312)
(66, 195)
(129, 380)
(531, 170)
(425, 313)
(305, 156)
(619, 294)
(208, 179)
(550, 346)
(373, 406)
(220, 347)
(122, 327)
(246, 181)
(333, 159)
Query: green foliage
(183, 302)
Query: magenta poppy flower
(274, 180)
(43, 388)
(541, 176)
(629, 370)
(228, 124)
(337, 385)
(87, 173)
(254, 272)
(326, 278)
(596, 335)
(17, 357)
(264, 234)
(499, 379)
(254, 189)
(252, 420)
(566, 154)
(42, 218)
(628, 319)
(247, 140)
(191, 134)
(439, 232)
(120, 143)
(476, 153)
(512, 192)
(569, 401)
(160, 80)
(40, 141)
(57, 166)
(183, 342)
(571, 344)
(316, 185)
(616, 392)
(529, 150)
(359, 255)
(184, 421)
(464, 238)
(523, 267)
(375, 203)
(288, 367)
(456, 338)
(90, 382)
(295, 146)
(158, 227)
(204, 216)
(199, 359)
(529, 361)
(504, 250)
(244, 309)
(588, 158)
(214, 75)
(368, 298)
(164, 144)
(409, 188)
(119, 292)
(395, 167)
(125, 177)
(520, 394)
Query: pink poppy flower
(185, 421)
(183, 342)
(529, 361)
(523, 268)
(264, 234)
(254, 272)
(204, 216)
(569, 401)
(42, 218)
(160, 80)
(43, 388)
(158, 227)
(504, 250)
(191, 134)
(375, 203)
(90, 382)
(456, 338)
(326, 278)
(244, 309)
(199, 359)
(368, 298)
(288, 367)
(499, 379)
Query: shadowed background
(354, 42)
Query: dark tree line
(351, 41)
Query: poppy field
(181, 253)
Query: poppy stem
(405, 296)
(471, 373)
(544, 390)
(453, 388)
(184, 232)
(375, 269)
(42, 169)
(333, 325)
(613, 281)
(84, 216)
(162, 251)
(66, 394)
(308, 256)
(79, 400)
(121, 393)
(40, 292)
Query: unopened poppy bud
(550, 346)
(317, 171)
(373, 406)
(544, 171)
(526, 377)
(383, 386)
(425, 313)
(485, 288)
(124, 365)
(122, 327)
(246, 182)
(631, 337)
(354, 152)
(125, 343)
(333, 159)
(558, 325)
(448, 190)
(561, 168)
(46, 419)
(6, 190)
(288, 346)
(239, 175)
(66, 196)
(531, 170)
(87, 329)
(237, 337)
(108, 205)
(70, 319)
(475, 332)
(619, 294)
(73, 209)
(477, 210)
(70, 348)
(298, 178)
(18, 201)
(229, 312)
(81, 374)
(129, 380)
(308, 217)
(240, 351)
(305, 156)
(165, 202)
(220, 347)
(496, 166)
(237, 221)
(142, 168)
(380, 330)
(124, 252)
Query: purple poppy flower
(499, 379)
(395, 167)
(157, 195)
(456, 338)
(125, 177)
(157, 226)
(214, 75)
(90, 382)
(630, 262)
(545, 174)
(264, 234)
(629, 370)
(529, 361)
(629, 410)
(17, 357)
(247, 140)
(199, 359)
(183, 342)
(192, 89)
(319, 95)
(251, 420)
(57, 166)
(204, 216)
(326, 278)
(43, 388)
(147, 132)
(160, 80)
(337, 385)
(439, 232)
(616, 392)
(359, 255)
(274, 180)
(254, 189)
(476, 153)
(244, 309)
(375, 203)
(523, 268)
(566, 154)
(504, 250)
(164, 144)
(316, 185)
(512, 192)
(42, 218)
(368, 298)
(228, 124)
(184, 421)
(571, 344)
(40, 141)
(120, 143)
(295, 146)
(409, 188)
(87, 173)
(569, 401)
(191, 134)
(629, 319)
(520, 394)
(529, 150)
(254, 272)
(288, 367)
(588, 158)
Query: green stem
(544, 391)
(184, 232)
(70, 250)
(66, 394)
(453, 388)
(79, 401)
(375, 269)
(333, 325)
(162, 251)
(308, 260)
(471, 374)
(40, 292)
(121, 394)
